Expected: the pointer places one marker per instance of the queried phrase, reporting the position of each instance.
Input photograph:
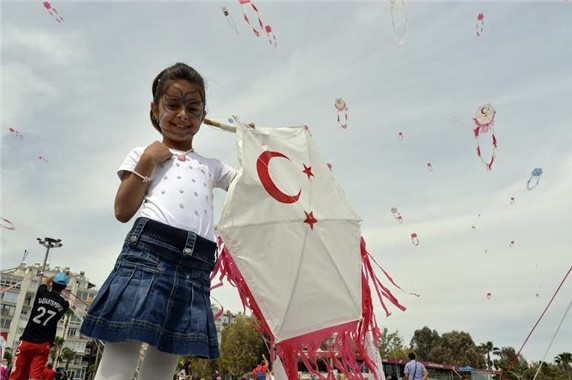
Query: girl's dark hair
(176, 72)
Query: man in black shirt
(38, 337)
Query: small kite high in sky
(399, 19)
(512, 200)
(396, 215)
(342, 110)
(484, 120)
(229, 19)
(53, 12)
(429, 166)
(400, 136)
(6, 224)
(42, 158)
(15, 133)
(534, 178)
(480, 24)
(415, 239)
(489, 295)
(247, 5)
(271, 36)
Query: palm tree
(488, 348)
(563, 360)
(68, 355)
(56, 349)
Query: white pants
(119, 362)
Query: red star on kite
(308, 171)
(310, 219)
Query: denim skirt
(158, 293)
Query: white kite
(292, 245)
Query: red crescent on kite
(262, 166)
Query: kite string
(553, 338)
(536, 324)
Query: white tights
(119, 362)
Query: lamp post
(49, 243)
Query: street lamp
(49, 243)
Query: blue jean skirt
(158, 292)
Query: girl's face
(179, 113)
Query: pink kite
(429, 167)
(485, 120)
(489, 295)
(342, 109)
(480, 23)
(271, 36)
(414, 239)
(396, 215)
(247, 4)
(53, 12)
(286, 210)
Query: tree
(506, 355)
(241, 346)
(457, 348)
(68, 355)
(56, 349)
(486, 349)
(390, 344)
(423, 342)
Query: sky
(79, 93)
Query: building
(17, 291)
(225, 319)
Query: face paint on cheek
(160, 117)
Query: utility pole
(49, 243)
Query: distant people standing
(259, 373)
(40, 332)
(415, 370)
(49, 373)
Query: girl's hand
(156, 153)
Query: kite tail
(482, 128)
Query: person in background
(415, 370)
(49, 373)
(259, 373)
(40, 331)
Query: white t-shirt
(180, 193)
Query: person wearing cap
(38, 337)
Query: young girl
(159, 290)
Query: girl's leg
(158, 365)
(119, 361)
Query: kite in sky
(480, 24)
(399, 13)
(400, 136)
(429, 166)
(229, 19)
(511, 243)
(489, 295)
(285, 209)
(414, 239)
(484, 120)
(6, 224)
(271, 36)
(458, 120)
(16, 133)
(245, 5)
(396, 215)
(342, 110)
(512, 200)
(53, 12)
(534, 178)
(42, 158)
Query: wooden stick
(220, 124)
